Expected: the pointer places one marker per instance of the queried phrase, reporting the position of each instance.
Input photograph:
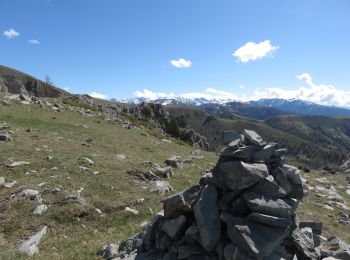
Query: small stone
(30, 246)
(133, 211)
(16, 164)
(39, 210)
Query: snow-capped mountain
(294, 106)
(300, 107)
(176, 101)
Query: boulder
(30, 245)
(5, 137)
(256, 239)
(253, 138)
(181, 203)
(174, 161)
(174, 227)
(206, 213)
(238, 175)
(230, 136)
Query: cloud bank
(322, 94)
(11, 33)
(252, 51)
(181, 63)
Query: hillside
(233, 110)
(301, 107)
(330, 133)
(54, 141)
(52, 138)
(16, 82)
(212, 127)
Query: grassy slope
(76, 233)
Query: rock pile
(243, 209)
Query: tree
(48, 80)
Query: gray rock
(181, 203)
(39, 210)
(109, 251)
(244, 153)
(73, 198)
(269, 187)
(301, 241)
(273, 207)
(30, 245)
(239, 175)
(265, 153)
(334, 247)
(185, 251)
(282, 180)
(253, 137)
(316, 226)
(232, 252)
(133, 243)
(269, 220)
(5, 137)
(151, 176)
(174, 227)
(293, 174)
(165, 172)
(28, 193)
(206, 213)
(257, 240)
(215, 177)
(230, 136)
(16, 164)
(174, 161)
(161, 187)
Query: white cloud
(181, 63)
(98, 95)
(252, 51)
(241, 86)
(323, 94)
(34, 42)
(66, 88)
(11, 33)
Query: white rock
(327, 207)
(30, 245)
(40, 209)
(120, 157)
(133, 211)
(10, 184)
(89, 161)
(15, 164)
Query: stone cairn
(243, 209)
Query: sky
(225, 49)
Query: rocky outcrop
(245, 208)
(15, 82)
(345, 167)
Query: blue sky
(121, 47)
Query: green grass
(74, 103)
(76, 232)
(312, 206)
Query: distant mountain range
(260, 109)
